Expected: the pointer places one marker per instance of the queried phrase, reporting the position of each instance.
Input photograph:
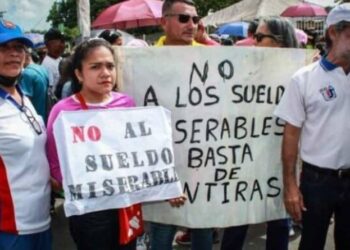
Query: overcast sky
(32, 14)
(323, 2)
(28, 14)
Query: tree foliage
(204, 6)
(65, 11)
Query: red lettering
(93, 134)
(78, 132)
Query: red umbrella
(304, 10)
(130, 14)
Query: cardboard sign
(227, 142)
(115, 158)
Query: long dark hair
(282, 29)
(80, 54)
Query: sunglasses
(20, 48)
(183, 18)
(30, 117)
(260, 36)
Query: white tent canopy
(324, 3)
(250, 9)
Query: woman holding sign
(93, 75)
(275, 33)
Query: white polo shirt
(318, 100)
(24, 172)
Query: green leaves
(65, 11)
(204, 6)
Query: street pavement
(255, 238)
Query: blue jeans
(37, 241)
(277, 236)
(162, 236)
(325, 195)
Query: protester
(276, 32)
(42, 52)
(271, 32)
(315, 106)
(179, 21)
(93, 75)
(114, 38)
(227, 41)
(34, 82)
(63, 88)
(55, 44)
(249, 41)
(203, 37)
(24, 170)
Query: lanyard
(5, 95)
(81, 100)
(25, 110)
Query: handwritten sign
(227, 141)
(114, 158)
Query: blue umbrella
(234, 29)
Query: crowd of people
(314, 107)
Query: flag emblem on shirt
(328, 93)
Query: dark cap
(53, 34)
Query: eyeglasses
(184, 18)
(30, 117)
(260, 36)
(20, 48)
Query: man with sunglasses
(24, 169)
(180, 22)
(316, 108)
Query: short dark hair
(227, 42)
(253, 25)
(168, 4)
(53, 34)
(80, 54)
(109, 36)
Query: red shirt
(210, 42)
(246, 42)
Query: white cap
(338, 14)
